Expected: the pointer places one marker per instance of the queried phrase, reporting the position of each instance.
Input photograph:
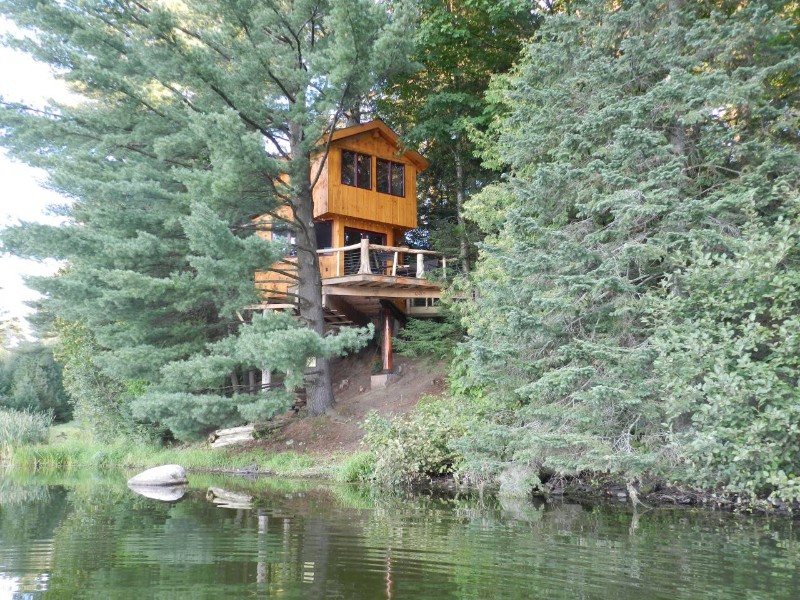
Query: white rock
(163, 475)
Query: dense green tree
(640, 140)
(458, 46)
(30, 380)
(191, 116)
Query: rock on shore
(163, 475)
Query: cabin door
(352, 258)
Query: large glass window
(390, 177)
(357, 169)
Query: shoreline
(254, 462)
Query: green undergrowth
(22, 427)
(77, 454)
(356, 468)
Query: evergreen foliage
(435, 338)
(194, 119)
(651, 149)
(30, 380)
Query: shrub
(728, 359)
(416, 446)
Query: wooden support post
(420, 266)
(364, 268)
(387, 340)
(266, 372)
(339, 264)
(444, 267)
(394, 265)
(266, 379)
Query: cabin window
(282, 232)
(357, 169)
(391, 177)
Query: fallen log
(241, 435)
(228, 437)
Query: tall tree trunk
(319, 390)
(353, 114)
(463, 242)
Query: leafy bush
(729, 363)
(99, 400)
(416, 446)
(23, 427)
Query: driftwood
(241, 435)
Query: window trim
(356, 156)
(392, 165)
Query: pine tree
(638, 136)
(194, 116)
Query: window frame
(355, 164)
(390, 188)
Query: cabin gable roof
(379, 127)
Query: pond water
(88, 536)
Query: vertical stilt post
(387, 340)
(420, 266)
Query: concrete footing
(382, 380)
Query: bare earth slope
(340, 430)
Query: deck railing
(375, 259)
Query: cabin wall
(369, 205)
(274, 285)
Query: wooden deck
(360, 275)
(380, 286)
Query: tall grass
(81, 453)
(19, 428)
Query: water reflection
(88, 537)
(229, 499)
(164, 493)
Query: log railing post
(420, 266)
(364, 268)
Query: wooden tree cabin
(364, 203)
